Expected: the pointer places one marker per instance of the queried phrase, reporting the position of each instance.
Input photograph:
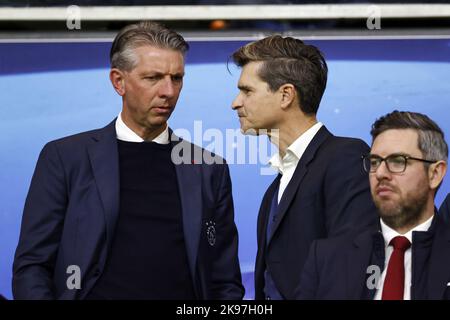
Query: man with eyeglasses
(407, 256)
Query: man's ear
(118, 80)
(436, 173)
(288, 95)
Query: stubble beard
(406, 212)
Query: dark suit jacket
(337, 268)
(72, 208)
(328, 195)
(444, 210)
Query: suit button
(268, 298)
(96, 272)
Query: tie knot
(400, 243)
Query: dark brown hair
(431, 138)
(288, 60)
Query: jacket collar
(302, 168)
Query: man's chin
(158, 121)
(392, 216)
(387, 208)
(249, 131)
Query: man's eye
(397, 160)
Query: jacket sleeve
(41, 229)
(444, 210)
(226, 274)
(348, 202)
(309, 279)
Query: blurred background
(54, 64)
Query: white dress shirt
(388, 235)
(124, 133)
(294, 152)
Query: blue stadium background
(54, 89)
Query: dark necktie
(394, 283)
(270, 289)
(272, 214)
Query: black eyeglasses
(395, 163)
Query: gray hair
(139, 34)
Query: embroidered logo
(211, 233)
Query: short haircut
(431, 138)
(288, 60)
(141, 34)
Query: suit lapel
(190, 189)
(439, 271)
(299, 174)
(358, 259)
(104, 158)
(263, 216)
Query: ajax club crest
(211, 232)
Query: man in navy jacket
(408, 255)
(321, 189)
(130, 211)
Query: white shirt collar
(295, 151)
(389, 233)
(124, 133)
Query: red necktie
(394, 283)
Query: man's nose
(237, 102)
(382, 171)
(167, 88)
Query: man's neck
(290, 132)
(150, 134)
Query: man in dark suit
(444, 210)
(321, 189)
(130, 211)
(407, 256)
